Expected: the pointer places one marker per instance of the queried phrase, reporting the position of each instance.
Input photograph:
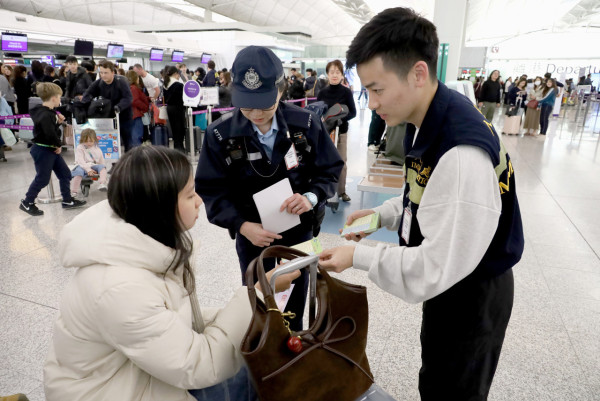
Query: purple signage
(14, 42)
(205, 58)
(156, 54)
(191, 89)
(177, 56)
(48, 60)
(114, 51)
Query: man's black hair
(400, 37)
(71, 59)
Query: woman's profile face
(188, 205)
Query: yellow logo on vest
(505, 187)
(423, 176)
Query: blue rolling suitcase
(160, 136)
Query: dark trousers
(46, 161)
(177, 120)
(248, 252)
(376, 129)
(545, 117)
(461, 338)
(125, 126)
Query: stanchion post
(51, 197)
(209, 115)
(191, 132)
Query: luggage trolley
(108, 133)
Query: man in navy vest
(458, 221)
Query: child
(90, 161)
(130, 326)
(46, 150)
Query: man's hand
(92, 173)
(58, 150)
(296, 204)
(479, 104)
(353, 216)
(257, 234)
(282, 282)
(337, 259)
(60, 118)
(497, 104)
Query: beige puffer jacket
(124, 331)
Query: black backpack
(100, 108)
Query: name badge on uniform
(291, 159)
(406, 222)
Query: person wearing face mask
(261, 142)
(532, 117)
(337, 92)
(173, 92)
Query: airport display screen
(83, 48)
(177, 57)
(14, 42)
(156, 54)
(114, 51)
(205, 58)
(48, 60)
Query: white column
(449, 18)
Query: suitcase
(512, 125)
(34, 102)
(198, 138)
(160, 136)
(26, 135)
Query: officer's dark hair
(282, 85)
(400, 37)
(144, 191)
(71, 59)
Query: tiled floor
(552, 349)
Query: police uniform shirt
(267, 139)
(226, 185)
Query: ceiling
(323, 22)
(327, 22)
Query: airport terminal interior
(552, 346)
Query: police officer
(259, 144)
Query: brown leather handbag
(328, 361)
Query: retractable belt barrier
(231, 108)
(30, 127)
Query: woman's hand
(282, 282)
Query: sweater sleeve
(126, 96)
(351, 105)
(458, 218)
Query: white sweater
(458, 217)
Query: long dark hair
(547, 89)
(168, 73)
(144, 190)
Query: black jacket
(490, 91)
(233, 165)
(210, 79)
(77, 84)
(117, 92)
(333, 94)
(174, 94)
(23, 93)
(45, 126)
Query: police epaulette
(298, 117)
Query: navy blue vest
(453, 120)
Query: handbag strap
(257, 268)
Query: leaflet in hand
(367, 224)
(269, 201)
(310, 247)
